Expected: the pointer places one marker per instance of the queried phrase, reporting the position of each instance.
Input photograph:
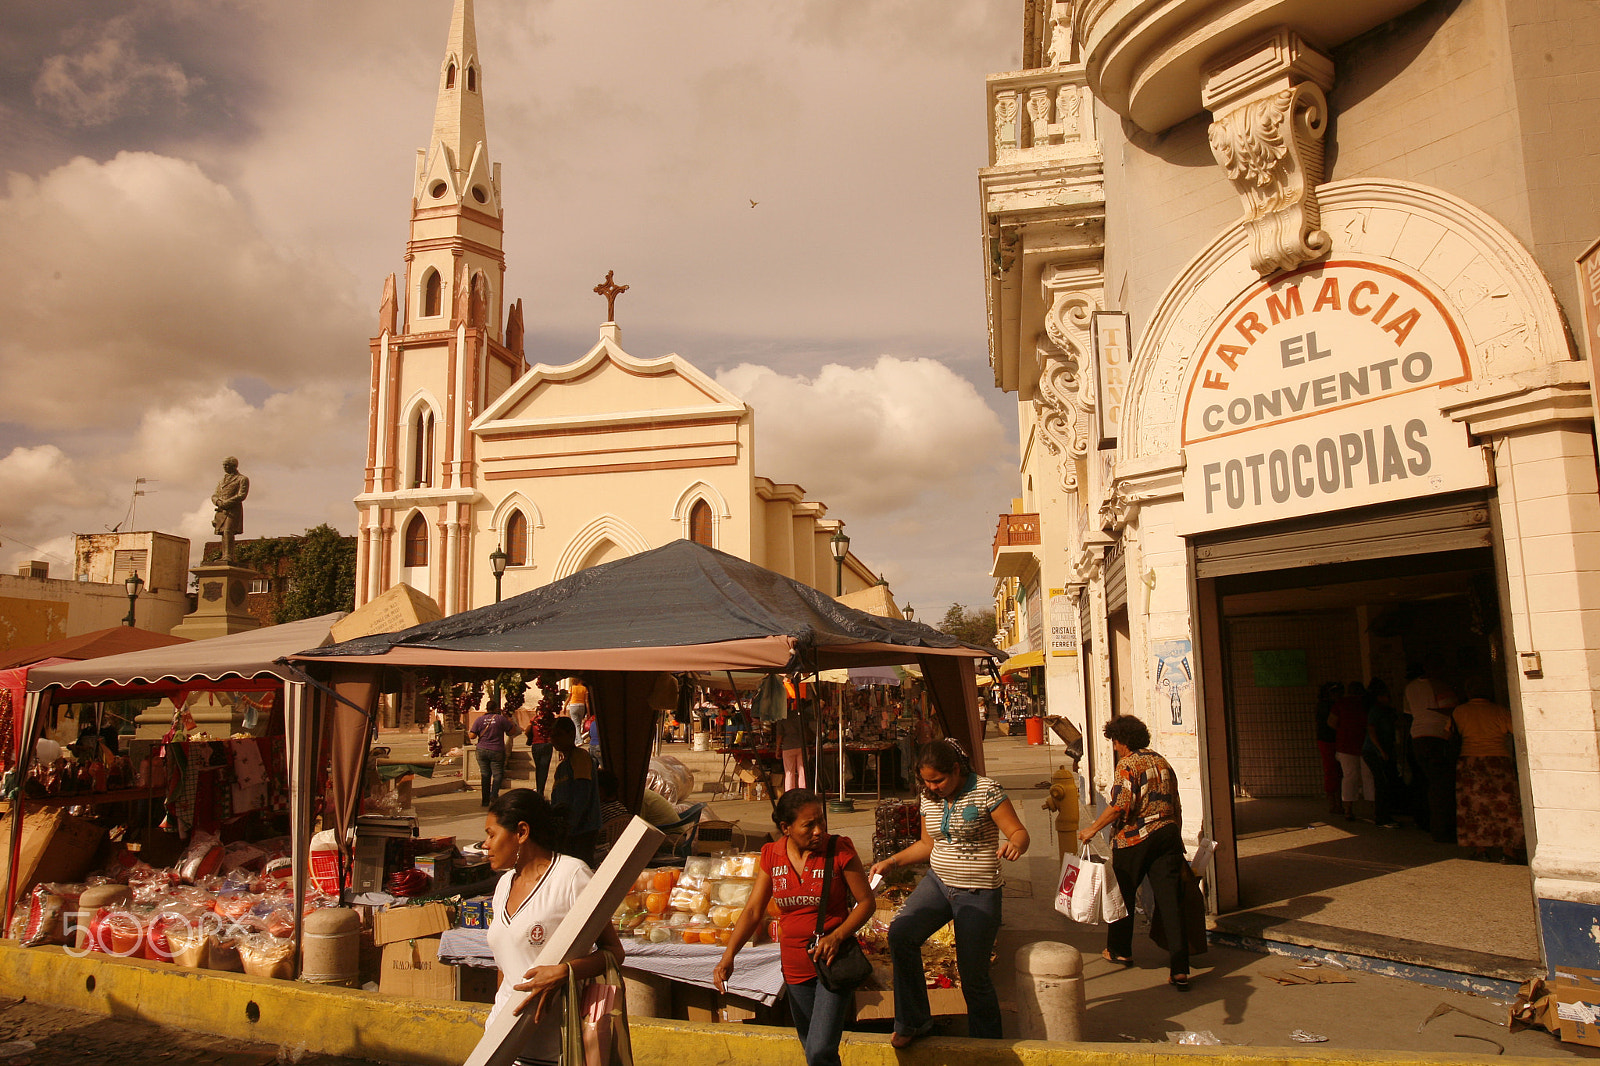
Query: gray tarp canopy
(250, 660)
(678, 608)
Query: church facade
(470, 450)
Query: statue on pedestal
(229, 502)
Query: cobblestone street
(34, 1034)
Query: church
(472, 452)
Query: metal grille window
(125, 561)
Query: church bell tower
(438, 363)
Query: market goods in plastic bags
(200, 859)
(46, 924)
(1112, 906)
(265, 955)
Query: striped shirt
(964, 834)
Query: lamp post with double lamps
(134, 584)
(841, 547)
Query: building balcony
(1146, 59)
(1016, 540)
(1040, 117)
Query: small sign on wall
(1174, 677)
(1113, 355)
(1279, 668)
(1063, 623)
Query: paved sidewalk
(1232, 996)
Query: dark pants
(819, 1017)
(976, 912)
(541, 764)
(1438, 766)
(1160, 858)
(492, 767)
(581, 846)
(1385, 782)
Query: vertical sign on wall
(1113, 354)
(1063, 623)
(1588, 266)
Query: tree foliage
(973, 626)
(323, 579)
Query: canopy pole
(32, 714)
(297, 722)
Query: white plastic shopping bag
(1065, 881)
(1086, 905)
(1112, 906)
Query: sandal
(1180, 981)
(1120, 960)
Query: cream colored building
(36, 608)
(563, 466)
(1286, 293)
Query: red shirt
(797, 898)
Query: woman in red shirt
(791, 873)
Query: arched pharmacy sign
(1317, 391)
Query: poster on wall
(1108, 336)
(1063, 623)
(1319, 390)
(1175, 705)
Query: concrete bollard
(1049, 992)
(649, 995)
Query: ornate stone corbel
(1271, 112)
(1066, 381)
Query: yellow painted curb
(340, 1021)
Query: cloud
(149, 279)
(871, 441)
(107, 78)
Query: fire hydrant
(1063, 799)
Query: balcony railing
(1040, 116)
(1016, 530)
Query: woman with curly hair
(1147, 841)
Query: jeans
(819, 1017)
(1159, 857)
(541, 764)
(976, 912)
(492, 768)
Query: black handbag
(849, 967)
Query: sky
(200, 199)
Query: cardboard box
(412, 968)
(1576, 994)
(437, 866)
(873, 1004)
(409, 923)
(477, 912)
(56, 846)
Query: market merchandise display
(218, 907)
(938, 953)
(697, 905)
(897, 824)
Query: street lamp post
(841, 547)
(910, 612)
(134, 584)
(497, 562)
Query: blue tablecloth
(757, 973)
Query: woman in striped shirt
(968, 826)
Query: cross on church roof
(610, 290)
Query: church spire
(458, 152)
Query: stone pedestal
(220, 608)
(1049, 992)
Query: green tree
(973, 626)
(323, 578)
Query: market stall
(251, 666)
(679, 608)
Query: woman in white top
(536, 890)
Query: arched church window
(700, 523)
(450, 76)
(478, 301)
(417, 541)
(432, 294)
(422, 448)
(516, 547)
(472, 79)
